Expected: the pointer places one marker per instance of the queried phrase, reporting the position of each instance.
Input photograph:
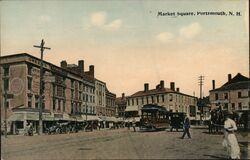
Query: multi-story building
(68, 90)
(110, 104)
(100, 97)
(171, 99)
(121, 104)
(233, 95)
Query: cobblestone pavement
(119, 144)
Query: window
(152, 99)
(36, 101)
(29, 83)
(233, 106)
(248, 93)
(142, 100)
(59, 105)
(137, 101)
(7, 104)
(239, 106)
(29, 101)
(128, 102)
(29, 70)
(54, 104)
(63, 106)
(132, 102)
(225, 95)
(216, 96)
(147, 100)
(6, 84)
(6, 71)
(162, 97)
(239, 94)
(72, 84)
(157, 99)
(170, 97)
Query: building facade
(68, 89)
(110, 104)
(234, 95)
(173, 100)
(100, 95)
(121, 103)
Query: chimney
(123, 95)
(92, 70)
(145, 87)
(81, 66)
(213, 83)
(162, 84)
(229, 77)
(172, 87)
(64, 64)
(178, 89)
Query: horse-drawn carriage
(216, 122)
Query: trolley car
(153, 117)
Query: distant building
(110, 104)
(233, 95)
(100, 96)
(172, 99)
(121, 103)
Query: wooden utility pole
(42, 48)
(201, 79)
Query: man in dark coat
(186, 128)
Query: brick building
(69, 90)
(110, 104)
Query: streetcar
(153, 118)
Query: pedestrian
(186, 128)
(134, 124)
(230, 141)
(99, 125)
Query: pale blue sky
(126, 39)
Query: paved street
(118, 144)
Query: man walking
(186, 128)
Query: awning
(131, 119)
(131, 108)
(31, 116)
(16, 117)
(109, 119)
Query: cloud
(114, 25)
(190, 31)
(165, 36)
(99, 20)
(185, 32)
